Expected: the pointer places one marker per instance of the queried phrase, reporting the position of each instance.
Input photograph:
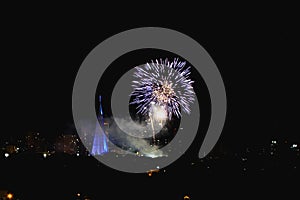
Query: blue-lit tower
(100, 141)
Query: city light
(150, 172)
(6, 155)
(294, 146)
(9, 195)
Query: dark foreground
(62, 176)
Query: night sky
(255, 53)
(255, 57)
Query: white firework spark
(163, 83)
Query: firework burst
(163, 83)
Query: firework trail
(166, 84)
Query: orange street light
(9, 195)
(186, 197)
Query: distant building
(11, 149)
(35, 142)
(100, 143)
(68, 144)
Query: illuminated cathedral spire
(100, 141)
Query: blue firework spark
(163, 83)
